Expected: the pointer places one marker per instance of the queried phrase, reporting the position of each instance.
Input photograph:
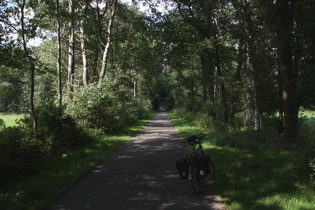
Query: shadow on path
(140, 175)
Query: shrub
(57, 130)
(205, 121)
(20, 149)
(18, 152)
(312, 168)
(94, 107)
(9, 148)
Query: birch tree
(59, 55)
(84, 7)
(71, 51)
(31, 65)
(31, 61)
(112, 8)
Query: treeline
(94, 73)
(250, 57)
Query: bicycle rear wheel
(196, 181)
(211, 172)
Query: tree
(28, 55)
(289, 97)
(71, 51)
(303, 51)
(59, 55)
(112, 5)
(13, 63)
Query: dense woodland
(103, 64)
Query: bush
(207, 122)
(94, 107)
(312, 168)
(57, 130)
(246, 139)
(20, 149)
(9, 149)
(201, 119)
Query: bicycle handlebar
(201, 136)
(196, 139)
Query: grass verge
(50, 179)
(254, 175)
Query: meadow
(10, 119)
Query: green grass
(47, 181)
(256, 176)
(10, 119)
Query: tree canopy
(216, 57)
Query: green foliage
(57, 129)
(94, 107)
(11, 154)
(201, 119)
(247, 138)
(57, 133)
(253, 173)
(312, 167)
(19, 151)
(58, 174)
(12, 80)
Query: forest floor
(140, 175)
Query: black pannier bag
(182, 167)
(202, 164)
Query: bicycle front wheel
(196, 181)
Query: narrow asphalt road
(140, 175)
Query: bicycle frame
(194, 142)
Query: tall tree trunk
(257, 115)
(237, 80)
(94, 74)
(253, 89)
(32, 68)
(59, 57)
(252, 113)
(135, 87)
(71, 51)
(84, 57)
(207, 76)
(247, 114)
(222, 86)
(192, 93)
(106, 49)
(289, 95)
(83, 48)
(281, 117)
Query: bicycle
(197, 166)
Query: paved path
(140, 175)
